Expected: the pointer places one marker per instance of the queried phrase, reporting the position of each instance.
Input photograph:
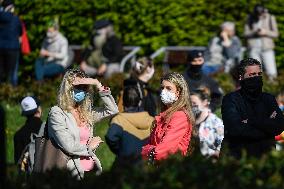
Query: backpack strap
(45, 133)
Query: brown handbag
(48, 155)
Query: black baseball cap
(194, 54)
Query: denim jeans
(267, 57)
(48, 69)
(211, 69)
(14, 74)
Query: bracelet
(152, 156)
(89, 149)
(99, 85)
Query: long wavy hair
(65, 96)
(183, 102)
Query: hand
(87, 81)
(102, 69)
(95, 142)
(273, 115)
(224, 35)
(44, 52)
(262, 32)
(83, 65)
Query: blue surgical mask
(79, 95)
(281, 108)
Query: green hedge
(192, 172)
(47, 91)
(147, 23)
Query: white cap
(28, 105)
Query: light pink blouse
(86, 162)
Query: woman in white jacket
(71, 121)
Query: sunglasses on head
(78, 73)
(82, 87)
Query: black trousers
(8, 61)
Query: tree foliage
(147, 23)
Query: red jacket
(169, 138)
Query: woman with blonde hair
(71, 121)
(172, 128)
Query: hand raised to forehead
(86, 81)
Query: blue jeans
(49, 69)
(210, 69)
(14, 74)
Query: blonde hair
(183, 102)
(141, 65)
(65, 96)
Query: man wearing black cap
(32, 111)
(104, 56)
(195, 78)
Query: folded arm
(234, 125)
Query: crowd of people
(187, 124)
(252, 121)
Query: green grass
(14, 121)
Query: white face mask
(51, 34)
(167, 97)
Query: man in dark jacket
(32, 110)
(251, 117)
(195, 78)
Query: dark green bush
(47, 91)
(147, 23)
(191, 172)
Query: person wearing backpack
(32, 111)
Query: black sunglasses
(82, 87)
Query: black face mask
(195, 68)
(252, 86)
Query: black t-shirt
(113, 50)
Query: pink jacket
(169, 138)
